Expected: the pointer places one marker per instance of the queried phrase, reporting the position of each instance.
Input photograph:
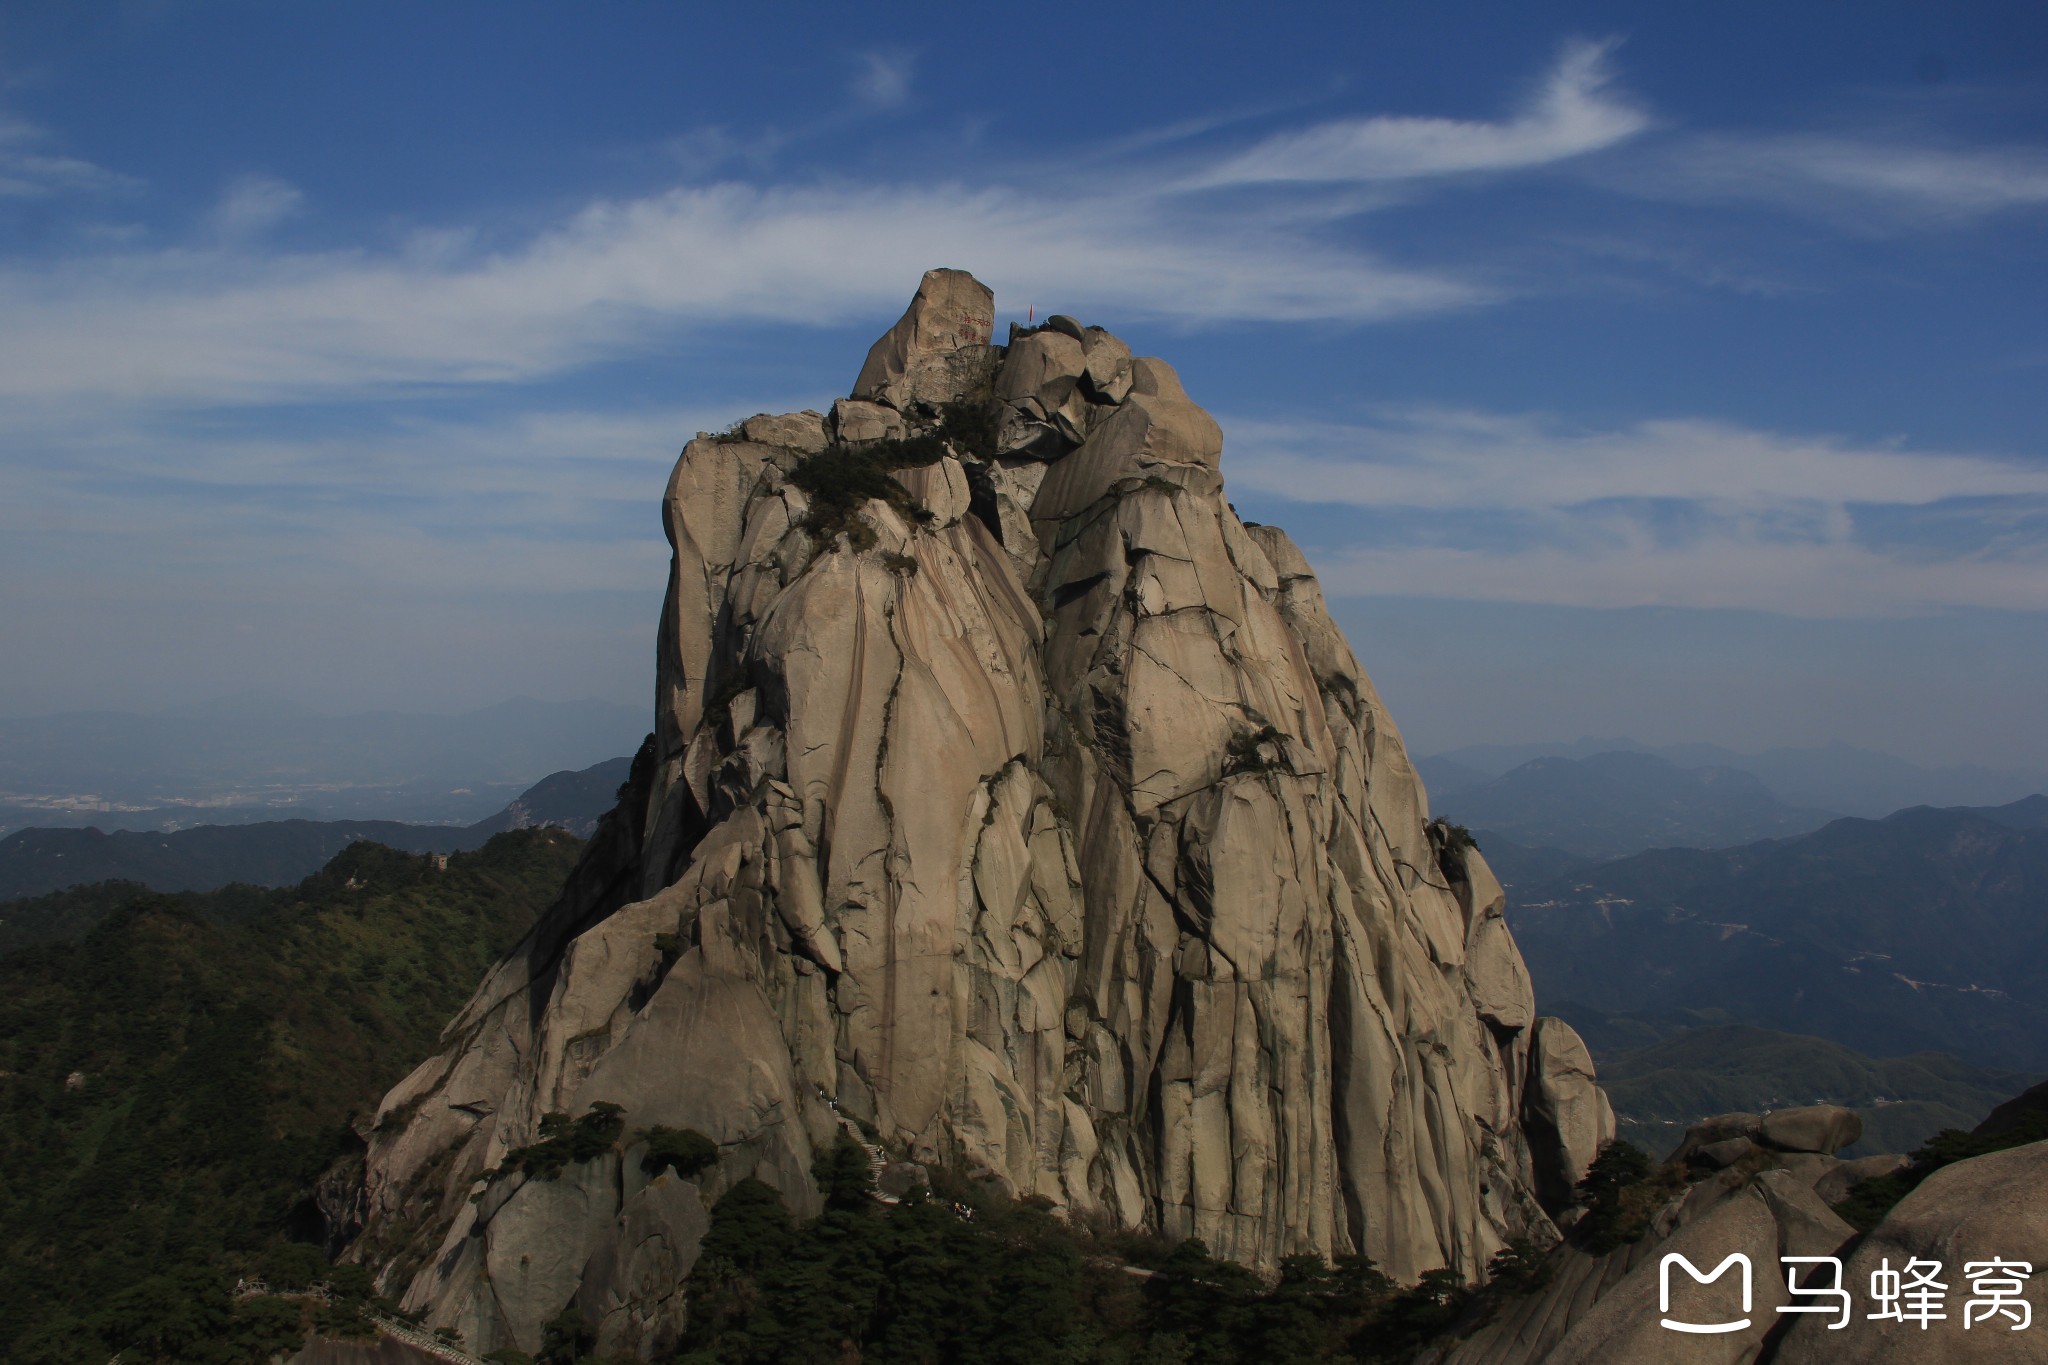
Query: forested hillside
(1918, 932)
(172, 1083)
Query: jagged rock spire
(1024, 808)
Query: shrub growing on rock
(1622, 1190)
(841, 479)
(683, 1150)
(565, 1142)
(973, 428)
(1870, 1200)
(1451, 842)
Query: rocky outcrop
(1024, 809)
(1990, 1207)
(1567, 1116)
(1611, 1309)
(1823, 1128)
(1802, 1140)
(1834, 1186)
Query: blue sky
(1623, 370)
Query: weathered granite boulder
(899, 1178)
(1610, 1309)
(1039, 821)
(1042, 369)
(803, 431)
(1986, 1208)
(1823, 1128)
(1808, 1168)
(1725, 1153)
(1834, 1186)
(939, 351)
(1566, 1115)
(859, 422)
(1719, 1128)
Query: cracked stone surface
(1055, 835)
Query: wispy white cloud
(1715, 267)
(882, 78)
(1673, 512)
(544, 502)
(240, 325)
(27, 171)
(1439, 458)
(1868, 182)
(1575, 112)
(252, 205)
(702, 153)
(1815, 581)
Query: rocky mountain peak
(939, 351)
(1016, 807)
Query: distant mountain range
(1686, 1072)
(256, 757)
(1613, 804)
(1923, 930)
(1876, 955)
(36, 862)
(1835, 777)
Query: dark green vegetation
(1663, 1085)
(965, 1276)
(1253, 751)
(172, 1083)
(1451, 842)
(2019, 1121)
(204, 858)
(683, 1150)
(62, 914)
(1920, 932)
(1621, 1192)
(974, 428)
(35, 862)
(564, 1142)
(194, 1316)
(841, 479)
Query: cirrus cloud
(1574, 112)
(236, 325)
(1671, 512)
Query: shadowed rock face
(1055, 835)
(1612, 1308)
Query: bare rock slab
(1823, 1128)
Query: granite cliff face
(1015, 804)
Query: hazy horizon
(256, 707)
(1669, 375)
